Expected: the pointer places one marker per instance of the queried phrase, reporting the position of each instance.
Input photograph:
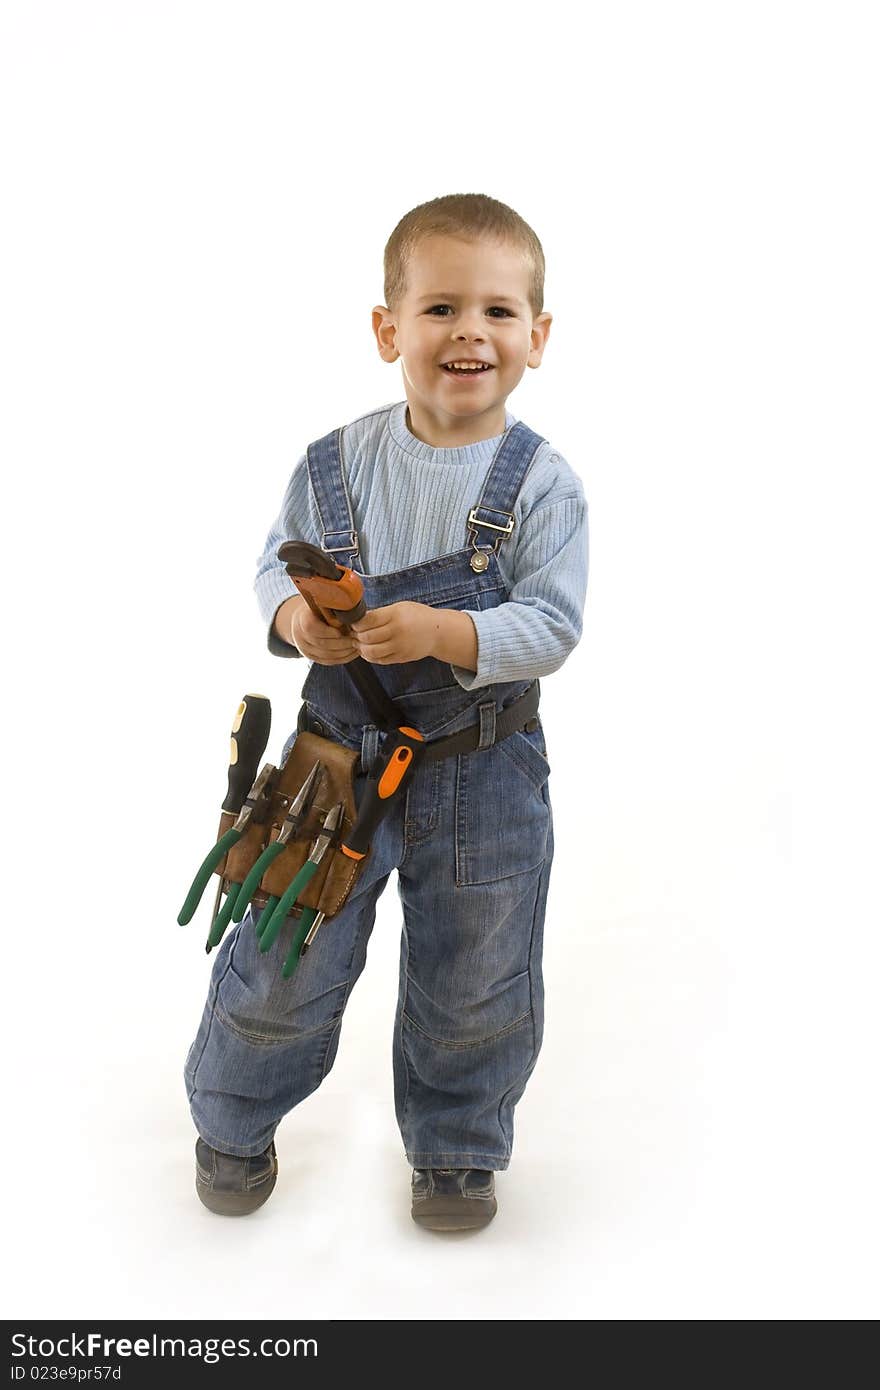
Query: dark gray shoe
(233, 1186)
(453, 1199)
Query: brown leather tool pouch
(337, 873)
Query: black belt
(522, 713)
(389, 716)
(507, 721)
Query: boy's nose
(468, 333)
(469, 327)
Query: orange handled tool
(336, 595)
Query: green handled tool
(299, 810)
(266, 915)
(221, 918)
(250, 734)
(332, 822)
(255, 808)
(309, 924)
(305, 935)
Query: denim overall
(472, 842)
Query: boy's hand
(400, 632)
(384, 636)
(317, 640)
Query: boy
(470, 534)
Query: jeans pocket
(502, 818)
(527, 748)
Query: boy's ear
(385, 329)
(540, 334)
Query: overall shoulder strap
(491, 521)
(330, 490)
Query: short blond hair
(465, 215)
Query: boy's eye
(499, 308)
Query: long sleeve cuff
(277, 646)
(274, 586)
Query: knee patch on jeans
(489, 1014)
(279, 1016)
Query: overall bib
(472, 842)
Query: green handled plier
(268, 911)
(272, 927)
(247, 743)
(293, 821)
(222, 918)
(305, 934)
(256, 806)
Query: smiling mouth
(462, 372)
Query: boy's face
(464, 301)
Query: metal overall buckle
(480, 558)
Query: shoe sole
(235, 1203)
(454, 1213)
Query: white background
(197, 197)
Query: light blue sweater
(410, 503)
